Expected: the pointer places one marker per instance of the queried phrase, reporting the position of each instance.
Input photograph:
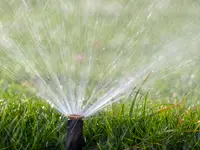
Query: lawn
(29, 123)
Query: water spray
(75, 139)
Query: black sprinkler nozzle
(75, 139)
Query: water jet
(54, 43)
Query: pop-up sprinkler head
(75, 139)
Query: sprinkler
(75, 139)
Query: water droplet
(192, 76)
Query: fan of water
(81, 56)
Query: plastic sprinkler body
(75, 139)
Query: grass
(29, 123)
